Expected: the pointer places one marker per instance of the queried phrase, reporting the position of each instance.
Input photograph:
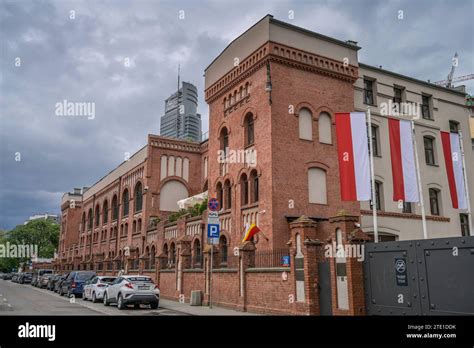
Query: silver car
(94, 289)
(132, 289)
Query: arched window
(134, 227)
(255, 188)
(152, 257)
(165, 250)
(324, 124)
(249, 129)
(97, 215)
(83, 222)
(228, 194)
(317, 189)
(197, 253)
(220, 194)
(90, 219)
(115, 211)
(105, 212)
(435, 205)
(139, 226)
(170, 193)
(138, 197)
(223, 248)
(305, 124)
(126, 201)
(224, 140)
(244, 186)
(172, 256)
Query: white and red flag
(353, 153)
(405, 186)
(453, 160)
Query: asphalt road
(24, 299)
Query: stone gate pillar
(305, 250)
(349, 239)
(246, 260)
(184, 260)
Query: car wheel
(120, 304)
(69, 294)
(105, 301)
(84, 298)
(94, 298)
(154, 305)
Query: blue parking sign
(213, 230)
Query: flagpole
(372, 178)
(418, 178)
(466, 186)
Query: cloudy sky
(50, 54)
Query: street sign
(213, 214)
(213, 204)
(213, 230)
(401, 271)
(213, 241)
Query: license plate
(143, 288)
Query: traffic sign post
(213, 230)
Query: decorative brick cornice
(172, 144)
(406, 216)
(282, 54)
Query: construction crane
(450, 80)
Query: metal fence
(270, 258)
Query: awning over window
(193, 200)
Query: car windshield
(107, 280)
(139, 280)
(85, 276)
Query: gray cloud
(82, 59)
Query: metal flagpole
(372, 178)
(418, 178)
(466, 186)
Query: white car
(94, 289)
(132, 289)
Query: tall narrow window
(397, 95)
(138, 197)
(305, 124)
(220, 194)
(97, 215)
(224, 139)
(244, 186)
(375, 140)
(425, 107)
(90, 220)
(434, 201)
(407, 208)
(228, 194)
(379, 195)
(223, 248)
(115, 209)
(255, 188)
(453, 126)
(249, 129)
(126, 201)
(325, 129)
(317, 186)
(105, 213)
(464, 224)
(429, 150)
(368, 92)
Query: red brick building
(272, 94)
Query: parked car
(43, 280)
(74, 282)
(25, 278)
(132, 289)
(59, 282)
(51, 281)
(94, 289)
(37, 274)
(7, 276)
(15, 277)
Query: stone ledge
(268, 270)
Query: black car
(74, 282)
(51, 281)
(59, 282)
(25, 278)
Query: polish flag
(353, 149)
(453, 160)
(405, 185)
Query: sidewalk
(199, 310)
